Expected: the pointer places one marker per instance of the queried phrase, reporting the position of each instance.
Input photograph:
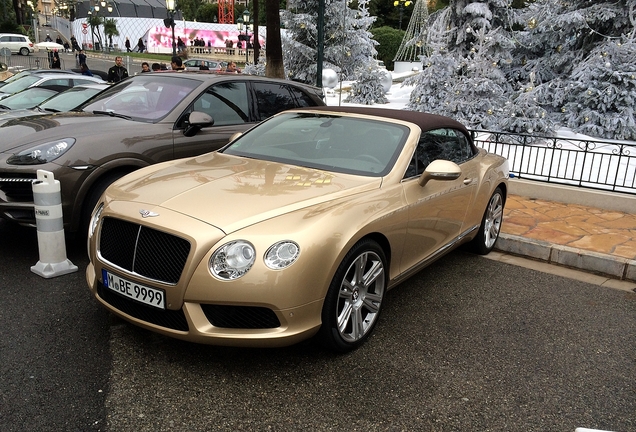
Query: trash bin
(98, 47)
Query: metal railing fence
(595, 164)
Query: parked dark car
(145, 119)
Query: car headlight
(42, 153)
(232, 260)
(97, 213)
(281, 255)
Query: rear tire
(354, 299)
(488, 233)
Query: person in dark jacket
(56, 63)
(85, 70)
(118, 72)
(127, 45)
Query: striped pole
(48, 220)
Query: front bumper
(195, 322)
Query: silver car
(33, 80)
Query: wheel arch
(95, 180)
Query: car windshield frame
(155, 96)
(325, 141)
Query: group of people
(141, 46)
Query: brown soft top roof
(425, 121)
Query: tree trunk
(274, 50)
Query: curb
(608, 265)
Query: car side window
(5, 38)
(82, 81)
(448, 144)
(59, 82)
(226, 103)
(272, 98)
(302, 99)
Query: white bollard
(48, 219)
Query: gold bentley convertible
(296, 228)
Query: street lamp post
(401, 4)
(169, 22)
(245, 21)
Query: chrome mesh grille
(240, 317)
(145, 251)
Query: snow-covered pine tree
(347, 41)
(555, 55)
(367, 89)
(467, 75)
(602, 93)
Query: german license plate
(141, 293)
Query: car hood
(5, 116)
(24, 132)
(231, 192)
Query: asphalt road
(469, 344)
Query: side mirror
(196, 121)
(440, 170)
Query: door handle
(468, 181)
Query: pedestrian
(177, 64)
(140, 45)
(118, 72)
(127, 44)
(145, 67)
(156, 67)
(81, 57)
(56, 63)
(231, 68)
(74, 45)
(85, 71)
(58, 40)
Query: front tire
(488, 233)
(354, 299)
(24, 51)
(93, 196)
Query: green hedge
(389, 40)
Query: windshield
(70, 99)
(343, 144)
(27, 98)
(143, 98)
(20, 84)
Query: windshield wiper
(113, 114)
(4, 107)
(53, 110)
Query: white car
(195, 64)
(46, 80)
(17, 43)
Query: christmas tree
(464, 78)
(602, 95)
(347, 41)
(367, 88)
(534, 69)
